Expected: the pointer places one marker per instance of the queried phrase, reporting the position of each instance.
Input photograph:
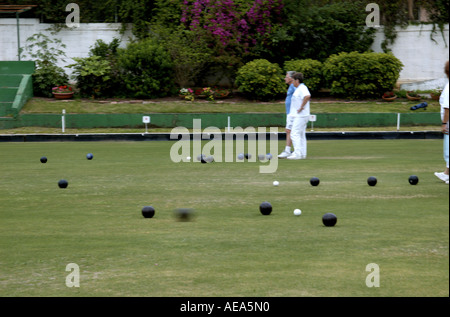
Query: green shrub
(311, 70)
(109, 52)
(46, 51)
(361, 75)
(93, 76)
(189, 54)
(146, 69)
(47, 76)
(318, 29)
(261, 79)
(105, 50)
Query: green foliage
(361, 75)
(53, 11)
(93, 76)
(189, 54)
(317, 31)
(43, 48)
(46, 51)
(46, 77)
(147, 69)
(261, 79)
(311, 70)
(297, 15)
(166, 13)
(229, 33)
(109, 52)
(105, 50)
(137, 12)
(232, 29)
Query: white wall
(78, 40)
(423, 58)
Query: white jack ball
(297, 212)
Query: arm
(305, 101)
(444, 127)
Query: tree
(317, 31)
(230, 28)
(46, 52)
(189, 54)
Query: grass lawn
(229, 248)
(236, 105)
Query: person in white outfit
(288, 80)
(300, 112)
(444, 128)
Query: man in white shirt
(444, 117)
(300, 113)
(288, 80)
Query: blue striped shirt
(289, 94)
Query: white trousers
(298, 135)
(446, 146)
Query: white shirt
(297, 99)
(443, 100)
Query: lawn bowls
(329, 219)
(265, 208)
(184, 214)
(314, 181)
(372, 181)
(413, 180)
(43, 160)
(89, 156)
(148, 212)
(297, 212)
(63, 183)
(202, 158)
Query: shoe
(446, 182)
(442, 176)
(284, 154)
(294, 156)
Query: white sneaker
(294, 156)
(284, 154)
(446, 182)
(442, 176)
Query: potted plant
(62, 92)
(221, 93)
(436, 94)
(205, 92)
(186, 94)
(411, 95)
(389, 96)
(208, 93)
